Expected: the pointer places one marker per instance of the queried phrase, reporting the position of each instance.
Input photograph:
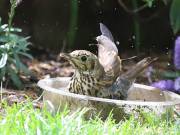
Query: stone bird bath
(56, 97)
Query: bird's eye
(83, 58)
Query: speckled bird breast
(84, 84)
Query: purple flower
(164, 85)
(177, 53)
(177, 84)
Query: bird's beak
(67, 56)
(72, 60)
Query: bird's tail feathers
(138, 68)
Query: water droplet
(117, 42)
(133, 37)
(100, 12)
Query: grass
(24, 119)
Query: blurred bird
(102, 76)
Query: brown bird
(102, 76)
(89, 76)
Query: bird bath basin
(56, 97)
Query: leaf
(14, 77)
(26, 38)
(25, 69)
(149, 2)
(4, 26)
(6, 47)
(4, 39)
(26, 54)
(3, 60)
(19, 65)
(22, 43)
(170, 75)
(17, 60)
(175, 15)
(23, 47)
(165, 1)
(0, 25)
(13, 30)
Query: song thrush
(102, 76)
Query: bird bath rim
(61, 91)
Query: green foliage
(175, 15)
(170, 74)
(12, 12)
(73, 22)
(165, 1)
(12, 47)
(24, 119)
(149, 2)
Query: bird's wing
(106, 32)
(108, 53)
(125, 80)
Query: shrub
(12, 47)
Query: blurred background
(141, 25)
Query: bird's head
(81, 60)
